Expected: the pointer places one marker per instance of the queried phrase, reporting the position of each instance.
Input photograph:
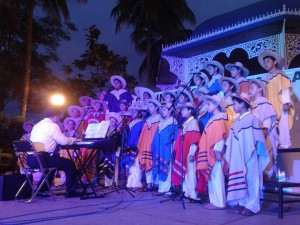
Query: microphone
(88, 107)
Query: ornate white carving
(253, 48)
(176, 65)
(239, 24)
(292, 47)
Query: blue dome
(246, 13)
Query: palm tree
(155, 21)
(55, 8)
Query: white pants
(190, 181)
(164, 186)
(252, 202)
(135, 175)
(284, 131)
(216, 186)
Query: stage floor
(145, 209)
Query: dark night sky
(98, 12)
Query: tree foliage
(154, 23)
(95, 66)
(47, 34)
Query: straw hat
(117, 77)
(202, 90)
(154, 101)
(280, 60)
(180, 91)
(261, 84)
(245, 71)
(217, 99)
(26, 124)
(186, 105)
(113, 115)
(173, 93)
(99, 93)
(244, 97)
(136, 107)
(83, 98)
(143, 90)
(137, 91)
(70, 110)
(232, 81)
(66, 121)
(203, 76)
(93, 103)
(215, 63)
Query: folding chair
(23, 149)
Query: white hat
(137, 91)
(244, 97)
(180, 91)
(197, 91)
(186, 105)
(261, 84)
(114, 115)
(101, 92)
(82, 99)
(66, 121)
(70, 110)
(215, 63)
(117, 77)
(135, 107)
(217, 99)
(95, 101)
(231, 80)
(203, 76)
(143, 90)
(154, 101)
(26, 124)
(280, 60)
(245, 71)
(170, 92)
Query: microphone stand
(181, 194)
(123, 171)
(114, 186)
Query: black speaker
(10, 184)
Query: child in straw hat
(162, 148)
(247, 158)
(184, 169)
(211, 150)
(278, 92)
(264, 111)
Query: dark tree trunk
(28, 59)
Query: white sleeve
(219, 146)
(286, 96)
(60, 138)
(193, 149)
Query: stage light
(57, 99)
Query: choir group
(218, 137)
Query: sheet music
(97, 130)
